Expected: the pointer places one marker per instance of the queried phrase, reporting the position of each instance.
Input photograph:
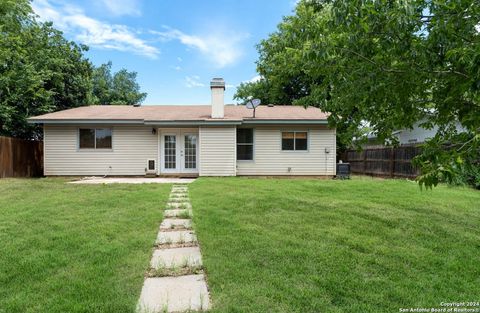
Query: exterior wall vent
(151, 166)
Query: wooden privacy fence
(20, 158)
(388, 162)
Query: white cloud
(255, 79)
(193, 81)
(122, 7)
(177, 68)
(179, 59)
(92, 32)
(221, 49)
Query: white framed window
(294, 141)
(95, 138)
(244, 144)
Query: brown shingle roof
(181, 113)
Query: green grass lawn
(269, 245)
(365, 245)
(75, 248)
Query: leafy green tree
(42, 72)
(385, 63)
(119, 88)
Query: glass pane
(170, 151)
(245, 152)
(244, 135)
(288, 135)
(301, 135)
(287, 140)
(190, 151)
(301, 141)
(104, 138)
(87, 138)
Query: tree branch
(390, 70)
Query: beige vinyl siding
(217, 151)
(269, 159)
(132, 146)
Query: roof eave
(283, 121)
(84, 121)
(193, 123)
(179, 122)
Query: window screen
(87, 138)
(244, 144)
(103, 138)
(95, 138)
(294, 141)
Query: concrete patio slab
(174, 294)
(178, 236)
(171, 223)
(176, 212)
(132, 180)
(176, 257)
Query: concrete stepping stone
(177, 213)
(176, 237)
(176, 257)
(178, 200)
(178, 205)
(174, 294)
(182, 191)
(172, 223)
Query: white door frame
(180, 151)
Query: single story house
(412, 136)
(188, 140)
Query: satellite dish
(253, 104)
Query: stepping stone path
(175, 281)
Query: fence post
(364, 161)
(392, 162)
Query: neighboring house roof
(187, 114)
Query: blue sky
(176, 46)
